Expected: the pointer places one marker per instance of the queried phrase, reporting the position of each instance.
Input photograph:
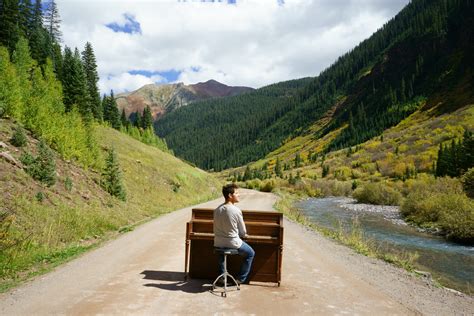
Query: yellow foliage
(372, 145)
(402, 148)
(399, 169)
(342, 173)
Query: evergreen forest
(419, 60)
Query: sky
(237, 42)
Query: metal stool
(225, 252)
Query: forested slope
(420, 57)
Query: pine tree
(19, 137)
(26, 18)
(74, 83)
(325, 171)
(103, 105)
(278, 171)
(441, 167)
(92, 78)
(43, 166)
(38, 37)
(9, 24)
(112, 176)
(147, 121)
(138, 120)
(111, 112)
(46, 164)
(467, 152)
(297, 160)
(123, 119)
(57, 59)
(247, 174)
(453, 159)
(53, 21)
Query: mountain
(163, 99)
(419, 60)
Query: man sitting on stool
(229, 227)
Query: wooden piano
(265, 235)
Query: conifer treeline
(456, 158)
(32, 57)
(376, 85)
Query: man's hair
(229, 189)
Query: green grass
(352, 237)
(76, 214)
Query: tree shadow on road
(178, 282)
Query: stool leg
(225, 273)
(224, 276)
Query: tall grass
(351, 236)
(76, 214)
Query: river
(450, 263)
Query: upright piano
(265, 236)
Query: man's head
(230, 193)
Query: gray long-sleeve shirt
(229, 226)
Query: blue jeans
(248, 253)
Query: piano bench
(223, 290)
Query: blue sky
(238, 42)
(131, 25)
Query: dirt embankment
(142, 273)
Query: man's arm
(241, 225)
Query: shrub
(331, 188)
(468, 183)
(39, 196)
(19, 138)
(68, 184)
(440, 203)
(377, 193)
(342, 173)
(41, 167)
(112, 176)
(456, 216)
(268, 185)
(253, 184)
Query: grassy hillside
(42, 226)
(413, 143)
(395, 168)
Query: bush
(377, 193)
(253, 184)
(68, 184)
(456, 217)
(440, 203)
(39, 196)
(19, 138)
(41, 167)
(468, 183)
(112, 177)
(323, 187)
(268, 185)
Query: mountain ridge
(420, 54)
(165, 98)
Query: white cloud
(251, 43)
(125, 82)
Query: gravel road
(141, 273)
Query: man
(229, 228)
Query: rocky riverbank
(389, 212)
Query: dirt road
(142, 273)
